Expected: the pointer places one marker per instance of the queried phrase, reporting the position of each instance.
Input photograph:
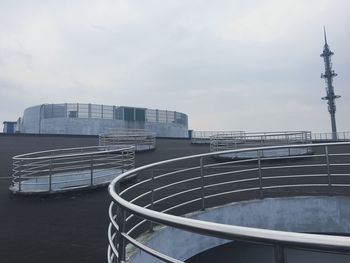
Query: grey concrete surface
(66, 228)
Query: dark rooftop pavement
(69, 227)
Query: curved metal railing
(142, 139)
(203, 137)
(329, 136)
(71, 168)
(168, 189)
(228, 141)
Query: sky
(229, 65)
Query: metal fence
(142, 140)
(100, 111)
(168, 189)
(203, 137)
(228, 141)
(324, 136)
(68, 169)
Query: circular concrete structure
(94, 119)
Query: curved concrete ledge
(298, 214)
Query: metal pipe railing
(141, 139)
(228, 141)
(71, 168)
(192, 183)
(203, 137)
(324, 136)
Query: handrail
(227, 141)
(105, 149)
(56, 170)
(147, 211)
(329, 136)
(141, 139)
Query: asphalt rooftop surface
(70, 227)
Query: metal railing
(67, 169)
(141, 139)
(228, 141)
(169, 189)
(324, 136)
(203, 137)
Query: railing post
(122, 161)
(202, 182)
(50, 176)
(279, 253)
(19, 176)
(260, 174)
(121, 241)
(328, 169)
(91, 170)
(152, 196)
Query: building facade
(94, 119)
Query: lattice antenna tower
(328, 75)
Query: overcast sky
(230, 65)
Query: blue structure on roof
(9, 126)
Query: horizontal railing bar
(232, 232)
(295, 185)
(176, 183)
(176, 172)
(122, 192)
(293, 166)
(231, 172)
(176, 194)
(180, 205)
(232, 192)
(230, 162)
(131, 230)
(110, 239)
(151, 251)
(293, 176)
(140, 196)
(231, 182)
(23, 156)
(112, 217)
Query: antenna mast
(328, 75)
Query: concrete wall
(167, 129)
(298, 214)
(98, 126)
(78, 126)
(31, 120)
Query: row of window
(112, 112)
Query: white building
(94, 119)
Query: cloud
(229, 65)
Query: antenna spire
(328, 75)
